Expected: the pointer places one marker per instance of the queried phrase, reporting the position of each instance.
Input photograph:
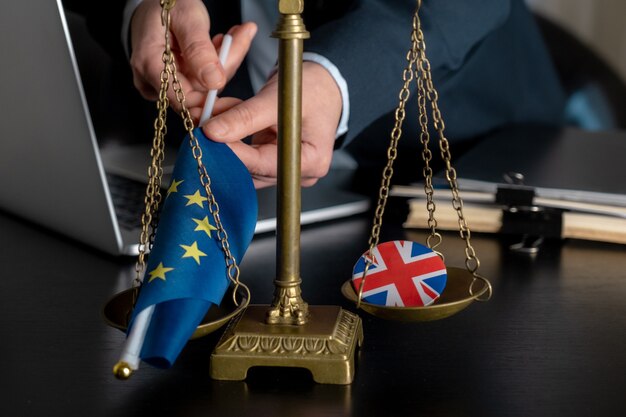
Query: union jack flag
(402, 273)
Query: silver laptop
(54, 172)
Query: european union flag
(186, 271)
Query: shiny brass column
(289, 333)
(288, 306)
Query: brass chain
(392, 153)
(472, 263)
(152, 198)
(427, 171)
(418, 69)
(155, 172)
(396, 134)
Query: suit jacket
(488, 60)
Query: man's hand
(321, 111)
(196, 55)
(199, 70)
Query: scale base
(325, 345)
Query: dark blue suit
(488, 61)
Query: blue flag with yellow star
(186, 270)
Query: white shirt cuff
(341, 83)
(129, 9)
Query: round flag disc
(402, 274)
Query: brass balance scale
(289, 332)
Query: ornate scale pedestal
(322, 339)
(325, 345)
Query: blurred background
(598, 23)
(587, 39)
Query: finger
(316, 149)
(263, 183)
(194, 98)
(146, 67)
(217, 41)
(244, 119)
(242, 39)
(221, 105)
(191, 31)
(194, 94)
(242, 36)
(147, 47)
(261, 159)
(315, 162)
(146, 89)
(224, 103)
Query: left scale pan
(117, 312)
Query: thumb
(244, 119)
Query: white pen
(209, 103)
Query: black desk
(551, 342)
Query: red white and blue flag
(402, 273)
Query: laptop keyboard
(128, 200)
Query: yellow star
(195, 198)
(174, 186)
(159, 272)
(204, 226)
(193, 252)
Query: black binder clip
(520, 216)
